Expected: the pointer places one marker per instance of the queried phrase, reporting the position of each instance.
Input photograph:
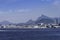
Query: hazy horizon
(22, 10)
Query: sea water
(30, 34)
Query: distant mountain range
(41, 19)
(6, 22)
(45, 19)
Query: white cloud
(56, 2)
(45, 0)
(15, 11)
(22, 10)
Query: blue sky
(22, 10)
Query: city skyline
(17, 11)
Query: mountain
(6, 22)
(41, 19)
(45, 19)
(30, 22)
(20, 24)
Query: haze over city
(22, 10)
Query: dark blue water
(30, 34)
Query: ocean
(30, 34)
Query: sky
(18, 11)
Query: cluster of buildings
(41, 25)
